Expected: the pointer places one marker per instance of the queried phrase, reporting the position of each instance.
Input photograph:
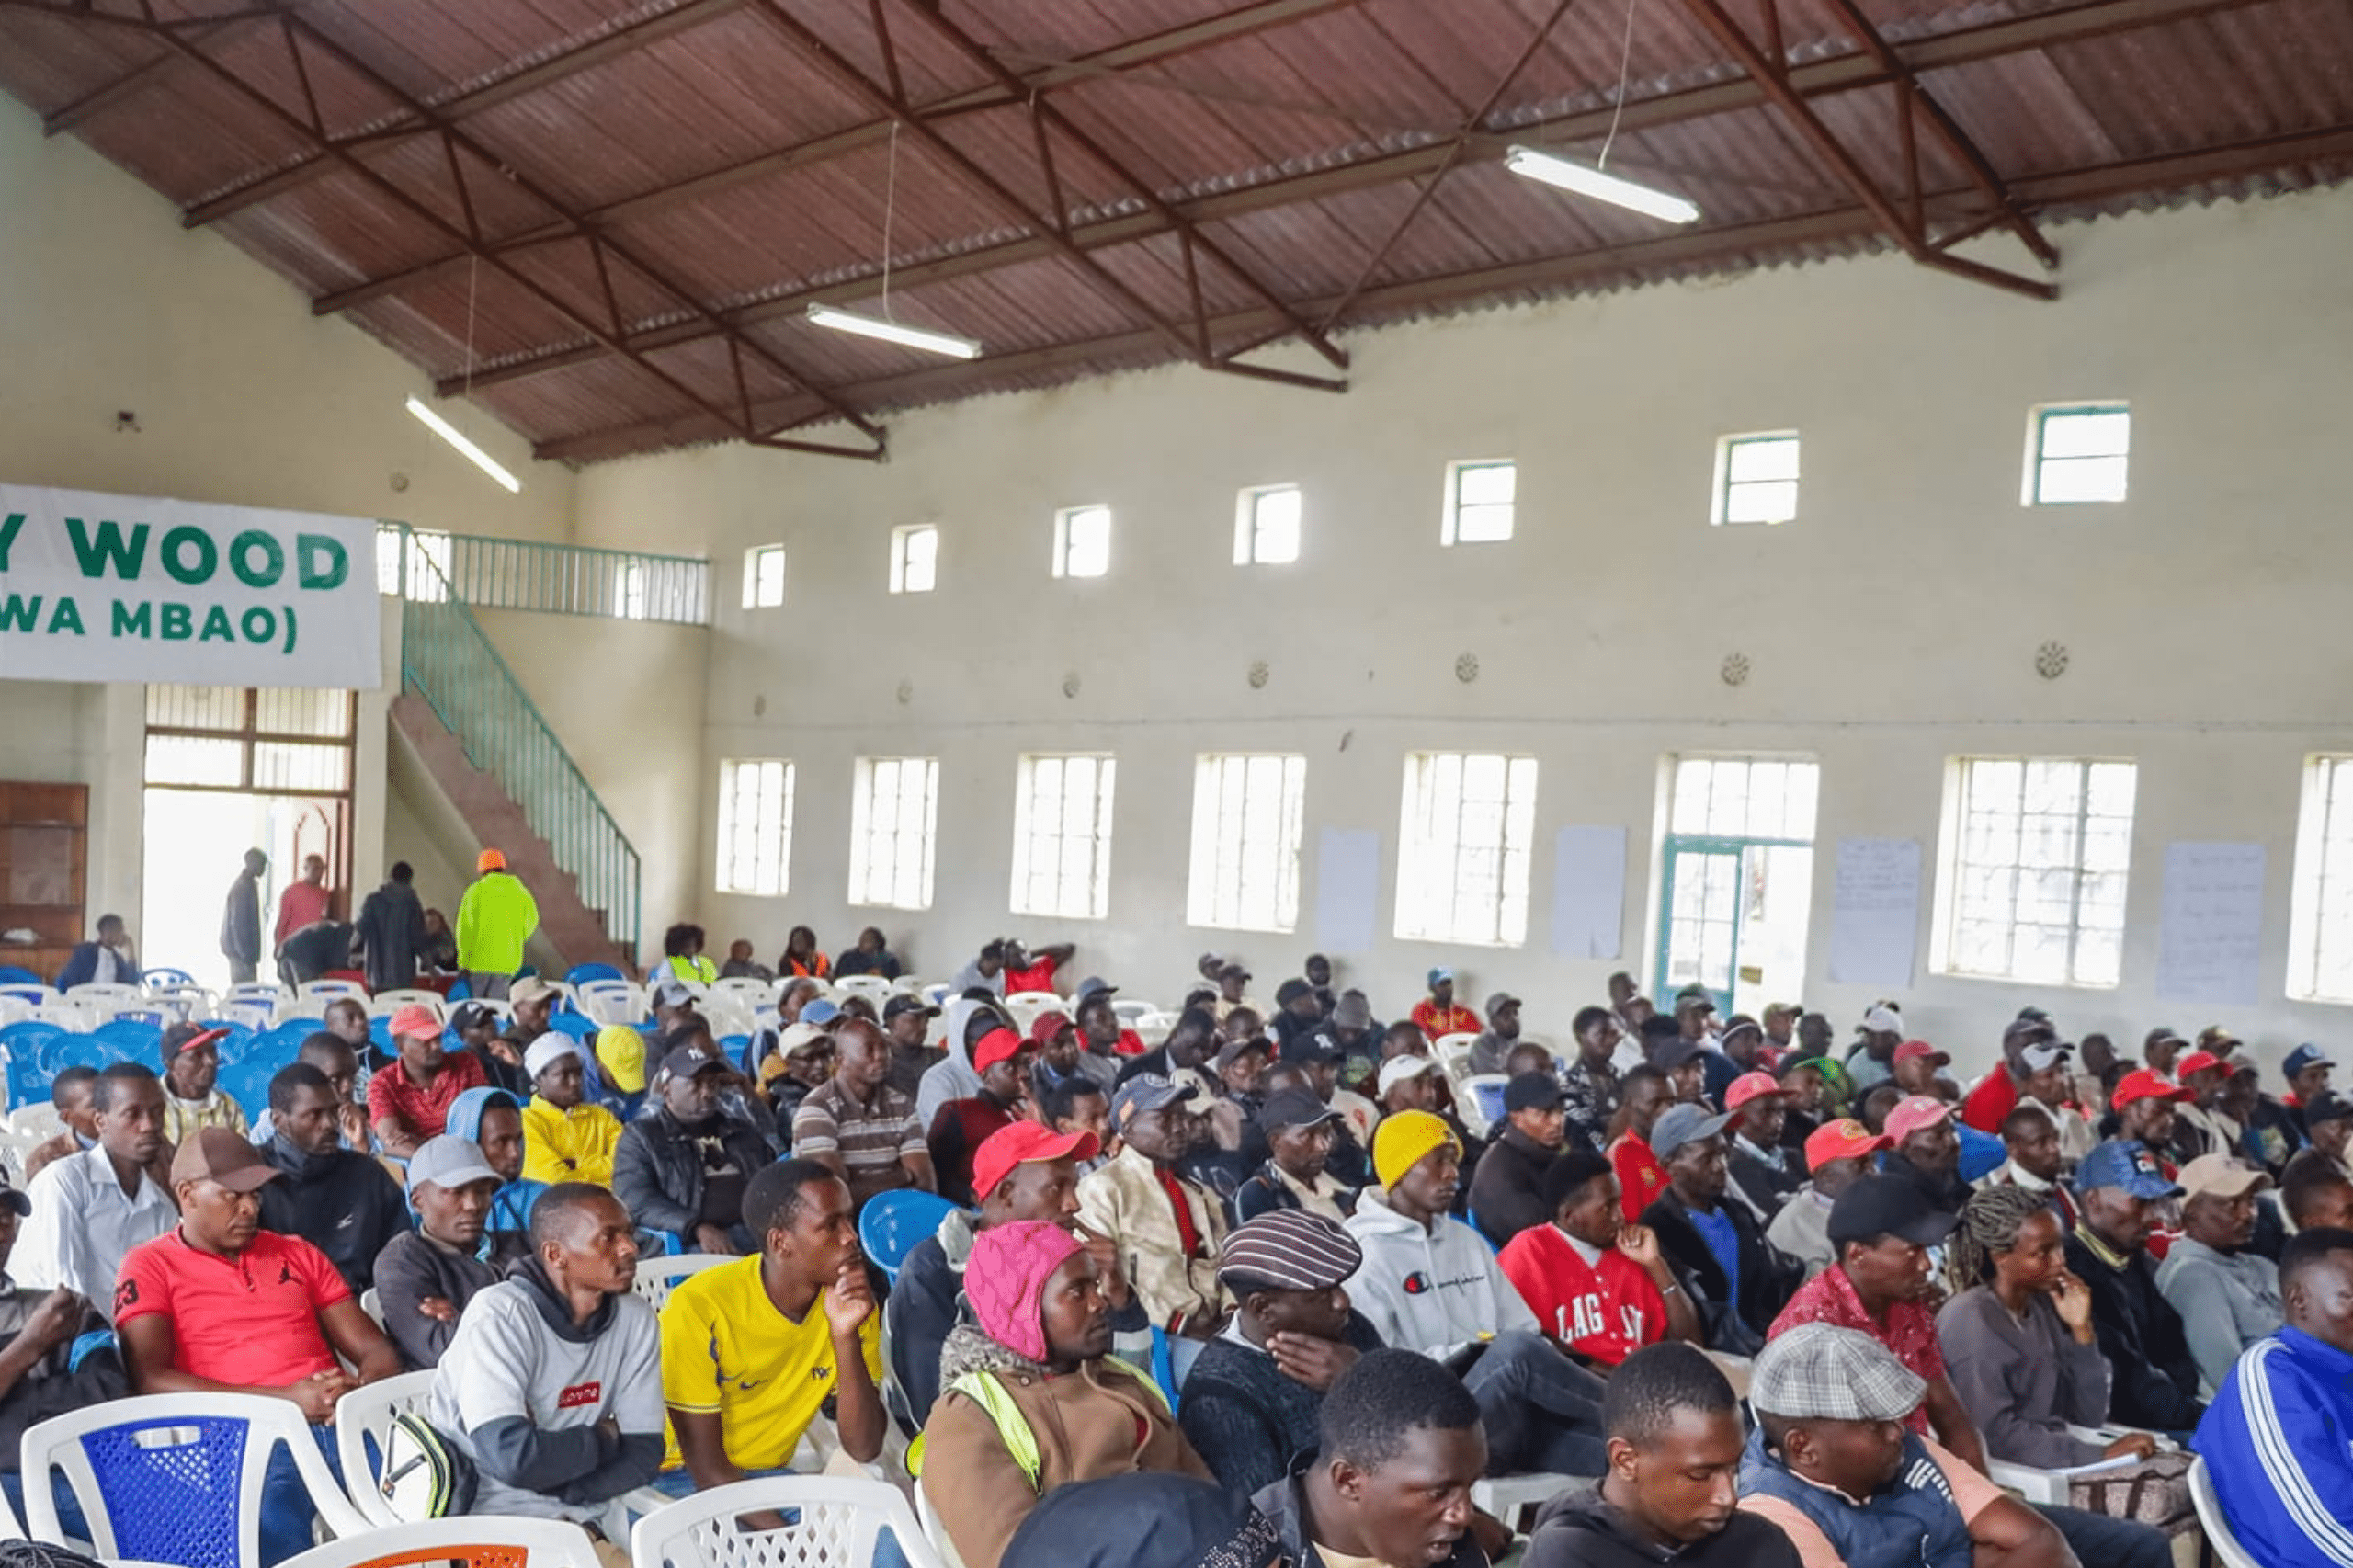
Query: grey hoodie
(1432, 1291)
(951, 1078)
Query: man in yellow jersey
(752, 1349)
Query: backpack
(423, 1477)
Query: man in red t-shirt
(1644, 1093)
(1880, 1230)
(1026, 970)
(219, 1305)
(409, 1101)
(1597, 1285)
(1436, 1016)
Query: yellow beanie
(1401, 1140)
(620, 1051)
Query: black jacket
(241, 921)
(412, 1267)
(1765, 1187)
(2155, 1381)
(1247, 1419)
(1284, 1502)
(1507, 1193)
(342, 1202)
(658, 1171)
(1577, 1529)
(1767, 1279)
(392, 930)
(1947, 1192)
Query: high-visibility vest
(985, 1389)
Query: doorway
(228, 769)
(1738, 880)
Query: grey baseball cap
(447, 1162)
(1681, 1124)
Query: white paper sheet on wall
(1347, 889)
(1875, 912)
(1588, 892)
(2210, 924)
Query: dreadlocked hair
(1989, 1223)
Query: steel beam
(1702, 246)
(1050, 117)
(1771, 78)
(435, 221)
(554, 68)
(2075, 23)
(1104, 62)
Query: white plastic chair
(929, 1517)
(1469, 1105)
(1024, 1006)
(145, 1433)
(1504, 1495)
(754, 993)
(324, 991)
(2050, 1486)
(33, 996)
(836, 1525)
(371, 1301)
(1451, 1049)
(14, 1009)
(469, 1540)
(1129, 1013)
(364, 1417)
(906, 986)
(657, 1277)
(190, 1002)
(1153, 1027)
(386, 1003)
(873, 987)
(107, 999)
(38, 1122)
(2227, 1550)
(76, 1017)
(16, 1149)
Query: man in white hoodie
(1431, 1284)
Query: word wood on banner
(122, 588)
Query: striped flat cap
(1820, 1371)
(1289, 1250)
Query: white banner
(120, 588)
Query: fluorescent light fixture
(475, 455)
(1586, 180)
(946, 343)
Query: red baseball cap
(191, 1039)
(1913, 1049)
(2143, 1084)
(2196, 1062)
(997, 1045)
(1915, 1112)
(1023, 1143)
(1047, 1025)
(1749, 1086)
(1844, 1140)
(418, 1020)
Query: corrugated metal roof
(655, 189)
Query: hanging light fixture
(475, 455)
(1586, 180)
(884, 326)
(946, 343)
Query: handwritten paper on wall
(1347, 889)
(1875, 913)
(2209, 924)
(1588, 892)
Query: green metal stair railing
(447, 660)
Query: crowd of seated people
(1918, 1282)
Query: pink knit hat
(1006, 1281)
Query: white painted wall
(1893, 625)
(242, 396)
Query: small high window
(1480, 499)
(1756, 479)
(1265, 526)
(1083, 541)
(2077, 453)
(763, 576)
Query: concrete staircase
(471, 808)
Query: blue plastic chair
(247, 1082)
(1164, 1366)
(24, 1041)
(572, 1024)
(11, 975)
(131, 1040)
(891, 1223)
(75, 1050)
(176, 1478)
(583, 973)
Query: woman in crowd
(682, 955)
(872, 956)
(802, 956)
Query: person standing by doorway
(391, 931)
(301, 905)
(495, 918)
(241, 921)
